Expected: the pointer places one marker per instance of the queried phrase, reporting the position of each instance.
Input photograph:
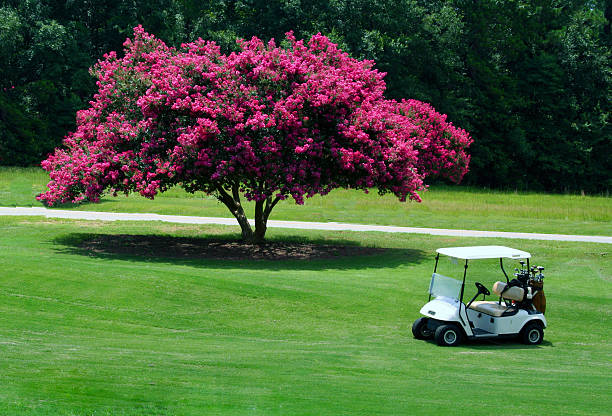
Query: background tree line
(530, 80)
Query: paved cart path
(332, 226)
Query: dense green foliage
(530, 80)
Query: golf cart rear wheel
(448, 335)
(420, 330)
(532, 334)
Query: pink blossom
(279, 122)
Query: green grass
(97, 333)
(442, 207)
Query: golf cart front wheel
(532, 334)
(448, 335)
(420, 330)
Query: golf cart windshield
(444, 286)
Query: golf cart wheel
(532, 334)
(420, 330)
(448, 335)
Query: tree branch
(270, 204)
(236, 193)
(226, 199)
(236, 209)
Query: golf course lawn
(442, 207)
(104, 331)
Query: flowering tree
(266, 122)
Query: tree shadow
(227, 251)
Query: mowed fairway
(104, 332)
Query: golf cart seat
(489, 307)
(514, 293)
(494, 308)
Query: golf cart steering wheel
(482, 289)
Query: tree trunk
(235, 207)
(262, 213)
(245, 226)
(260, 223)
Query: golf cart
(519, 311)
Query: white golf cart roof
(483, 252)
